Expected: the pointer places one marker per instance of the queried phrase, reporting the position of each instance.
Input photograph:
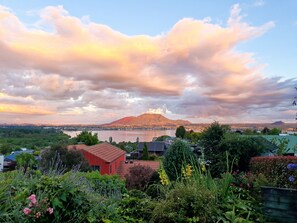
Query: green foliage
(88, 138)
(186, 202)
(275, 131)
(25, 161)
(211, 137)
(12, 138)
(105, 185)
(177, 155)
(274, 169)
(64, 158)
(136, 207)
(162, 138)
(282, 146)
(217, 141)
(145, 153)
(240, 149)
(71, 196)
(5, 149)
(180, 132)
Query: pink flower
(27, 211)
(50, 210)
(33, 200)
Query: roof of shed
(105, 151)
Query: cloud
(259, 3)
(75, 66)
(162, 110)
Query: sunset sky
(92, 62)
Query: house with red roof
(104, 157)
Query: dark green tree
(58, 156)
(265, 130)
(145, 153)
(87, 137)
(177, 156)
(180, 132)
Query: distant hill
(278, 123)
(146, 120)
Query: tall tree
(180, 132)
(145, 153)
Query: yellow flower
(187, 172)
(203, 168)
(163, 177)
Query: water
(127, 135)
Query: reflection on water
(127, 135)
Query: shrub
(186, 203)
(275, 169)
(176, 157)
(139, 177)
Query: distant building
(156, 147)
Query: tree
(5, 149)
(110, 140)
(212, 136)
(87, 137)
(60, 157)
(265, 130)
(176, 157)
(180, 132)
(25, 161)
(145, 153)
(274, 131)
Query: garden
(221, 182)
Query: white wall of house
(1, 163)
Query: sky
(92, 62)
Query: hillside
(146, 120)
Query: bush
(71, 196)
(139, 177)
(275, 169)
(186, 203)
(176, 157)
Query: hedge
(275, 169)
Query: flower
(32, 198)
(27, 211)
(292, 166)
(291, 179)
(50, 210)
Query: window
(96, 168)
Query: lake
(127, 135)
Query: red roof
(124, 167)
(105, 151)
(77, 147)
